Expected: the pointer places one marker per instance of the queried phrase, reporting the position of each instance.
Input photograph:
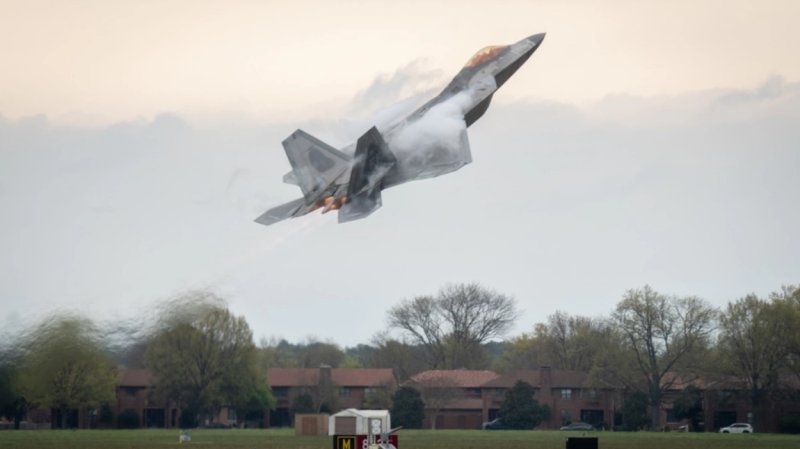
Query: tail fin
(373, 160)
(315, 164)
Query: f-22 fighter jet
(430, 142)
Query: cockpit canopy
(485, 54)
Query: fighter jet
(431, 141)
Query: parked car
(578, 426)
(495, 424)
(739, 427)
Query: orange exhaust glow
(332, 203)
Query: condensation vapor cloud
(440, 130)
(439, 134)
(411, 81)
(390, 98)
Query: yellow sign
(345, 443)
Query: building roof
(342, 377)
(134, 377)
(458, 378)
(558, 378)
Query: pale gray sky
(643, 143)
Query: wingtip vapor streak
(431, 141)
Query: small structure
(311, 424)
(353, 428)
(359, 422)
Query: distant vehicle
(739, 427)
(578, 426)
(495, 424)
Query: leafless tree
(452, 326)
(404, 359)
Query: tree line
(649, 343)
(203, 357)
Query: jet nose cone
(536, 39)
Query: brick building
(453, 398)
(469, 398)
(135, 392)
(566, 393)
(330, 389)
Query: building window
(344, 391)
(131, 391)
(566, 393)
(370, 391)
(280, 392)
(589, 393)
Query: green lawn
(408, 439)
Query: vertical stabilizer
(315, 164)
(373, 160)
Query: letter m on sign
(344, 442)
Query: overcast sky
(643, 143)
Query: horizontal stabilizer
(315, 164)
(282, 212)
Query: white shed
(353, 421)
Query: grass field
(408, 439)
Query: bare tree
(404, 359)
(419, 319)
(452, 326)
(662, 331)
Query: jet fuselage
(429, 142)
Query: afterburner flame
(330, 203)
